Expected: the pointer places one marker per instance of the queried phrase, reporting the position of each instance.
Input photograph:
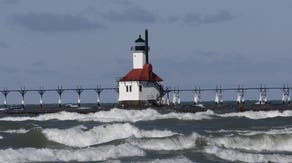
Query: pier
(167, 93)
(59, 92)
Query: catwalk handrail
(228, 89)
(56, 89)
(165, 89)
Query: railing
(165, 92)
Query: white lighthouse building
(141, 86)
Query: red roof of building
(145, 74)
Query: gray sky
(87, 42)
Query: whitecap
(260, 142)
(16, 131)
(87, 154)
(178, 142)
(258, 114)
(115, 115)
(180, 159)
(236, 156)
(79, 137)
(276, 131)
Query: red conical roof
(145, 74)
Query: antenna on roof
(147, 47)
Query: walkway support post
(197, 96)
(240, 95)
(41, 92)
(176, 97)
(60, 91)
(22, 92)
(98, 91)
(5, 93)
(79, 90)
(285, 94)
(263, 99)
(219, 95)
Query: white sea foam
(1, 137)
(273, 140)
(179, 142)
(258, 114)
(87, 154)
(256, 142)
(235, 156)
(115, 115)
(180, 159)
(269, 132)
(277, 131)
(79, 137)
(17, 131)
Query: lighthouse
(140, 86)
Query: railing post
(219, 95)
(263, 99)
(41, 92)
(167, 98)
(5, 92)
(176, 97)
(60, 91)
(79, 90)
(197, 96)
(285, 94)
(240, 95)
(22, 92)
(98, 91)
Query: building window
(128, 88)
(140, 88)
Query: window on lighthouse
(128, 88)
(140, 88)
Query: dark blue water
(147, 136)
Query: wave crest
(257, 142)
(235, 156)
(258, 114)
(87, 154)
(80, 137)
(178, 142)
(16, 131)
(115, 115)
(180, 159)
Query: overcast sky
(87, 42)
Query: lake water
(147, 136)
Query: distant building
(141, 86)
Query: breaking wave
(178, 142)
(273, 140)
(277, 131)
(235, 156)
(258, 114)
(256, 142)
(115, 115)
(17, 131)
(264, 141)
(87, 154)
(81, 137)
(180, 159)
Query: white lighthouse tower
(141, 86)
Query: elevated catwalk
(239, 104)
(186, 108)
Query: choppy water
(147, 136)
